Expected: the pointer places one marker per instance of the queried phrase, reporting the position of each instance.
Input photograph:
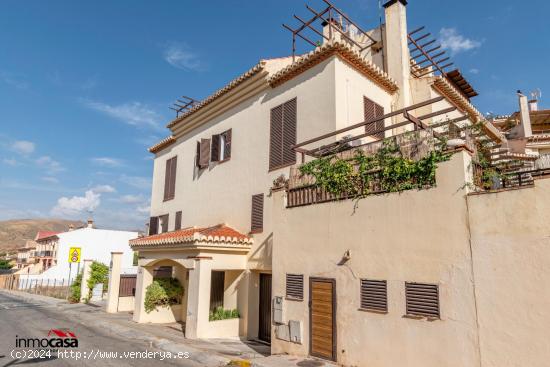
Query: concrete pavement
(162, 337)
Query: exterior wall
(350, 88)
(431, 246)
(125, 304)
(511, 251)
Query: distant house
(52, 250)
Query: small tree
(99, 274)
(163, 292)
(5, 264)
(74, 288)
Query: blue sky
(85, 86)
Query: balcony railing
(44, 254)
(543, 162)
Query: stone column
(114, 282)
(144, 278)
(85, 276)
(198, 299)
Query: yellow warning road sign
(74, 255)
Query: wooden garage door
(322, 312)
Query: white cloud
(48, 163)
(133, 113)
(23, 147)
(136, 181)
(474, 71)
(107, 161)
(180, 56)
(103, 189)
(144, 209)
(10, 162)
(70, 207)
(50, 179)
(131, 199)
(15, 80)
(452, 40)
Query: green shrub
(99, 273)
(5, 264)
(74, 289)
(221, 314)
(163, 292)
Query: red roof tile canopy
(45, 234)
(218, 233)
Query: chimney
(525, 118)
(330, 32)
(90, 223)
(397, 55)
(71, 227)
(533, 105)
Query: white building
(96, 244)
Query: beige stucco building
(409, 278)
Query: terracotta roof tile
(45, 234)
(162, 144)
(220, 233)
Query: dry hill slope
(14, 233)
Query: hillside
(14, 233)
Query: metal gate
(127, 285)
(264, 329)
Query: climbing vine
(99, 274)
(385, 171)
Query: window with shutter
(226, 145)
(283, 135)
(163, 219)
(153, 226)
(198, 155)
(204, 153)
(422, 299)
(374, 295)
(257, 220)
(215, 149)
(373, 110)
(178, 221)
(170, 178)
(295, 287)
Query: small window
(373, 110)
(422, 299)
(257, 216)
(177, 225)
(295, 287)
(282, 135)
(221, 147)
(170, 179)
(163, 219)
(374, 295)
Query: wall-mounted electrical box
(278, 310)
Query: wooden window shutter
(217, 288)
(283, 135)
(289, 132)
(295, 286)
(198, 155)
(374, 295)
(373, 110)
(153, 226)
(257, 219)
(422, 299)
(170, 178)
(276, 138)
(204, 154)
(227, 148)
(177, 225)
(215, 150)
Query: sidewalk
(170, 338)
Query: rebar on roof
(338, 23)
(183, 105)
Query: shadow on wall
(261, 257)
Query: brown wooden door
(322, 318)
(264, 329)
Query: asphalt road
(23, 319)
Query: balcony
(44, 254)
(543, 162)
